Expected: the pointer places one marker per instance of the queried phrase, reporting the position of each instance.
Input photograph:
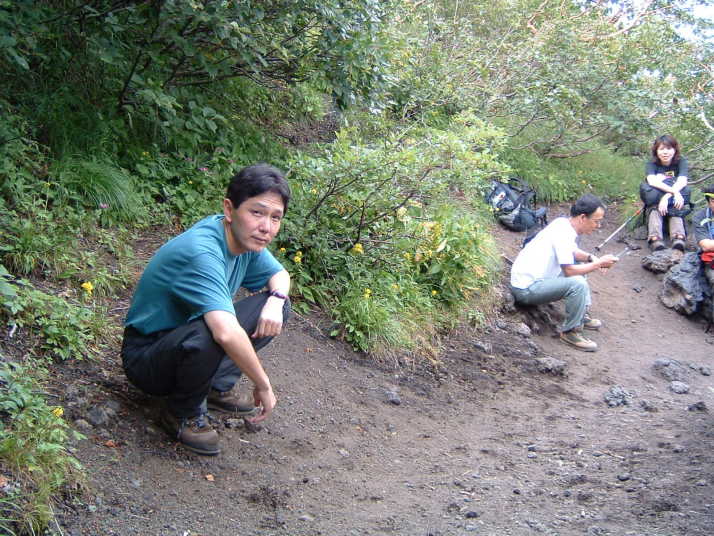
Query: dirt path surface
(488, 445)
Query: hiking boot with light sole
(194, 433)
(657, 245)
(591, 323)
(576, 339)
(679, 244)
(229, 402)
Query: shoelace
(199, 420)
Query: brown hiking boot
(229, 402)
(194, 433)
(575, 338)
(591, 323)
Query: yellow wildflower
(395, 286)
(297, 259)
(282, 250)
(367, 292)
(88, 287)
(145, 153)
(434, 292)
(408, 256)
(357, 248)
(313, 190)
(58, 411)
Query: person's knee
(199, 340)
(578, 284)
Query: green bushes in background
(386, 235)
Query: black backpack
(513, 203)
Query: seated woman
(667, 172)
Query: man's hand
(606, 261)
(265, 400)
(270, 322)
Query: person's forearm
(579, 269)
(582, 255)
(240, 350)
(280, 282)
(657, 181)
(679, 184)
(229, 334)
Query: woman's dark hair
(256, 180)
(587, 204)
(669, 141)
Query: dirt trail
(489, 446)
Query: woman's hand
(663, 204)
(678, 200)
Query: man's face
(255, 222)
(592, 222)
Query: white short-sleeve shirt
(543, 256)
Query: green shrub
(55, 328)
(33, 451)
(384, 235)
(599, 170)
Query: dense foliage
(121, 115)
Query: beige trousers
(654, 225)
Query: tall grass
(601, 171)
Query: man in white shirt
(552, 267)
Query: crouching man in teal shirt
(185, 338)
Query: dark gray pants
(184, 363)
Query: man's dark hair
(709, 189)
(256, 180)
(587, 204)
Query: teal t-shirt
(193, 274)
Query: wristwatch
(590, 257)
(278, 294)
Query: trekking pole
(623, 252)
(639, 211)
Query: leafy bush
(57, 328)
(600, 172)
(33, 451)
(383, 234)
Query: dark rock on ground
(550, 365)
(97, 416)
(680, 388)
(698, 406)
(617, 396)
(659, 262)
(685, 289)
(670, 369)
